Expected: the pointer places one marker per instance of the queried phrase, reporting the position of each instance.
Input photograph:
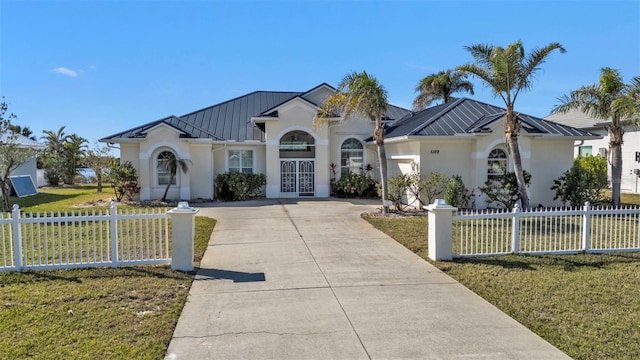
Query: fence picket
(547, 231)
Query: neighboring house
(273, 133)
(630, 181)
(30, 167)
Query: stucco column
(182, 236)
(144, 179)
(440, 234)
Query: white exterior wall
(549, 160)
(28, 168)
(352, 128)
(296, 115)
(201, 171)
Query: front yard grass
(586, 305)
(97, 313)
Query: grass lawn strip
(99, 313)
(586, 305)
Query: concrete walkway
(309, 279)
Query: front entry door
(297, 177)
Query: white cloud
(65, 71)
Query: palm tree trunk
(511, 130)
(378, 137)
(166, 190)
(382, 157)
(616, 131)
(99, 179)
(514, 149)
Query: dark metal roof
(231, 120)
(466, 116)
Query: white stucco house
(630, 181)
(273, 133)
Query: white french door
(297, 177)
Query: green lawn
(586, 305)
(99, 313)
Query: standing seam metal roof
(464, 116)
(231, 120)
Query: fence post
(440, 234)
(113, 225)
(17, 237)
(586, 227)
(182, 236)
(515, 230)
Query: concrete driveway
(309, 279)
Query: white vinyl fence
(111, 237)
(546, 231)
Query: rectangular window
(163, 174)
(241, 161)
(585, 151)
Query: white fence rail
(84, 239)
(547, 231)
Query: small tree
(456, 193)
(99, 160)
(74, 149)
(503, 189)
(425, 189)
(124, 179)
(171, 164)
(585, 181)
(398, 187)
(12, 154)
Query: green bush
(353, 185)
(456, 193)
(397, 189)
(124, 180)
(585, 181)
(237, 186)
(503, 189)
(425, 189)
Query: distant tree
(585, 181)
(24, 131)
(12, 154)
(74, 150)
(597, 101)
(55, 141)
(440, 86)
(362, 94)
(507, 71)
(99, 159)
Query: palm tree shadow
(236, 276)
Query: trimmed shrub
(353, 185)
(456, 193)
(237, 186)
(503, 189)
(397, 189)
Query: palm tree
(361, 94)
(597, 101)
(629, 105)
(55, 140)
(440, 86)
(171, 164)
(507, 71)
(75, 148)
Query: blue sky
(100, 67)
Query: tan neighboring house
(273, 133)
(630, 181)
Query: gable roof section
(577, 119)
(21, 140)
(231, 120)
(466, 116)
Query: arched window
(297, 144)
(497, 163)
(351, 156)
(165, 158)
